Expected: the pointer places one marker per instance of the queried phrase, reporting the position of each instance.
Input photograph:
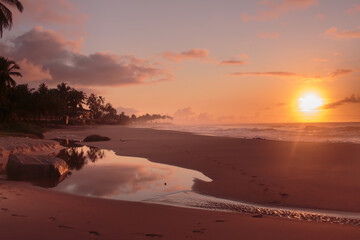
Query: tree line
(20, 103)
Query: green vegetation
(23, 108)
(24, 111)
(22, 130)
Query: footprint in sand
(199, 231)
(284, 195)
(65, 227)
(4, 209)
(94, 233)
(154, 235)
(219, 221)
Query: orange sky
(203, 62)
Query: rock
(26, 167)
(96, 138)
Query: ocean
(305, 132)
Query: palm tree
(6, 15)
(8, 68)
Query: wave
(319, 132)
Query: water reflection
(102, 173)
(77, 157)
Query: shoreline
(306, 175)
(44, 213)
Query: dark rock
(96, 138)
(27, 167)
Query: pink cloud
(334, 33)
(320, 16)
(52, 11)
(245, 17)
(34, 73)
(271, 10)
(243, 56)
(200, 54)
(63, 61)
(353, 10)
(187, 115)
(273, 74)
(334, 74)
(351, 99)
(268, 35)
(232, 62)
(341, 72)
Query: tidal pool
(102, 173)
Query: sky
(203, 62)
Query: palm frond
(16, 3)
(5, 18)
(17, 74)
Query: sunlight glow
(310, 102)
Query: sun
(310, 102)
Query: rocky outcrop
(9, 145)
(96, 138)
(27, 167)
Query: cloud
(62, 59)
(341, 72)
(320, 16)
(33, 73)
(245, 56)
(187, 115)
(334, 33)
(320, 59)
(351, 99)
(245, 17)
(271, 10)
(232, 62)
(334, 74)
(268, 35)
(353, 10)
(271, 74)
(126, 110)
(199, 54)
(52, 11)
(184, 113)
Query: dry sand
(310, 175)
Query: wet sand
(27, 212)
(308, 175)
(294, 174)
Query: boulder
(27, 167)
(96, 138)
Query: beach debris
(65, 227)
(94, 233)
(96, 138)
(154, 235)
(30, 167)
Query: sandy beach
(307, 175)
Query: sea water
(306, 132)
